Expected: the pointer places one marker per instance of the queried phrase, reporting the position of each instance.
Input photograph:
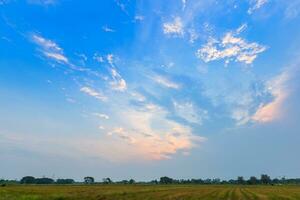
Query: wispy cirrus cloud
(183, 4)
(123, 134)
(117, 83)
(256, 4)
(164, 81)
(107, 29)
(50, 49)
(292, 9)
(102, 115)
(94, 93)
(98, 58)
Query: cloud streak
(165, 82)
(92, 92)
(256, 4)
(50, 49)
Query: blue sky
(142, 89)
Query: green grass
(149, 192)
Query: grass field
(140, 192)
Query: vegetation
(149, 192)
(264, 180)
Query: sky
(149, 88)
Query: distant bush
(166, 180)
(27, 180)
(33, 180)
(44, 181)
(65, 181)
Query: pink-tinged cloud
(152, 136)
(273, 110)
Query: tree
(252, 180)
(131, 181)
(207, 181)
(65, 181)
(165, 180)
(265, 179)
(275, 181)
(107, 181)
(240, 180)
(27, 180)
(44, 181)
(124, 182)
(216, 181)
(89, 180)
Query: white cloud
(292, 10)
(56, 56)
(45, 43)
(243, 104)
(107, 29)
(50, 49)
(174, 28)
(230, 47)
(91, 92)
(118, 83)
(165, 82)
(242, 28)
(189, 112)
(82, 56)
(124, 135)
(98, 58)
(101, 115)
(110, 59)
(139, 97)
(42, 2)
(139, 18)
(150, 134)
(241, 115)
(70, 100)
(183, 4)
(193, 35)
(121, 6)
(256, 4)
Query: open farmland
(149, 192)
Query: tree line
(263, 180)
